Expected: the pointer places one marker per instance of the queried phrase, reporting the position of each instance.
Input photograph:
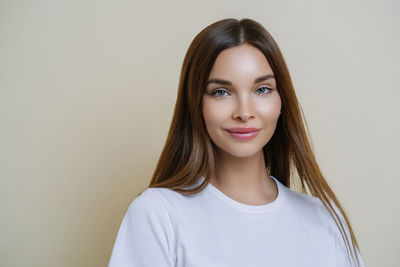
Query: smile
(243, 133)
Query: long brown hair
(188, 153)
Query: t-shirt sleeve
(146, 237)
(339, 243)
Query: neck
(244, 179)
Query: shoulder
(311, 207)
(148, 228)
(157, 205)
(152, 202)
(306, 205)
(314, 215)
(149, 217)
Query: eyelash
(214, 93)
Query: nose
(243, 110)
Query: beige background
(87, 90)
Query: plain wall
(87, 91)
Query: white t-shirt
(210, 229)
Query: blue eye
(263, 90)
(219, 93)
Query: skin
(240, 169)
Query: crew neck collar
(254, 209)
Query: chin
(241, 153)
(246, 155)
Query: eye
(219, 93)
(263, 90)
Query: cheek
(269, 109)
(214, 113)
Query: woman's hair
(188, 153)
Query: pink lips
(243, 133)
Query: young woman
(221, 192)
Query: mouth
(243, 133)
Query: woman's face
(241, 104)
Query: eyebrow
(225, 82)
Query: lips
(242, 130)
(243, 133)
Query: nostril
(244, 116)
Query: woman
(220, 194)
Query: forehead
(239, 62)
